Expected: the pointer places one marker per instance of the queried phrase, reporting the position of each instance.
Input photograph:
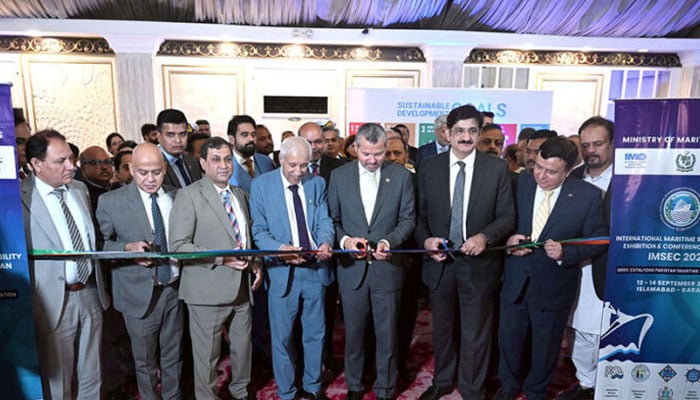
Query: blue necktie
(163, 267)
(183, 171)
(304, 241)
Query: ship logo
(680, 209)
(623, 334)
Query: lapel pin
(570, 195)
(387, 180)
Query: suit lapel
(40, 213)
(309, 193)
(560, 209)
(477, 181)
(383, 188)
(138, 210)
(528, 199)
(214, 201)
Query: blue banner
(650, 342)
(19, 368)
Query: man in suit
(212, 215)
(437, 146)
(476, 193)
(491, 140)
(134, 218)
(597, 142)
(372, 205)
(406, 137)
(247, 164)
(290, 212)
(68, 295)
(97, 171)
(183, 169)
(264, 144)
(540, 283)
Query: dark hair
(511, 151)
(525, 133)
(148, 128)
(74, 149)
(488, 127)
(464, 112)
(399, 126)
(349, 141)
(118, 158)
(488, 114)
(560, 147)
(237, 120)
(599, 121)
(543, 134)
(130, 144)
(192, 138)
(19, 116)
(201, 122)
(214, 142)
(170, 116)
(112, 136)
(38, 143)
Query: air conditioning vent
(295, 105)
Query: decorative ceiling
(605, 18)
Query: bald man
(97, 171)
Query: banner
(19, 368)
(650, 343)
(418, 108)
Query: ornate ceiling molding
(573, 58)
(55, 45)
(188, 48)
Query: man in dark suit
(97, 171)
(183, 169)
(68, 296)
(212, 215)
(247, 164)
(540, 283)
(437, 146)
(372, 205)
(290, 212)
(596, 135)
(465, 196)
(134, 218)
(406, 137)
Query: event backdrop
(19, 368)
(650, 343)
(417, 108)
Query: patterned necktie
(249, 167)
(542, 215)
(78, 245)
(183, 171)
(314, 168)
(456, 234)
(163, 267)
(304, 241)
(232, 216)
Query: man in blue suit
(290, 212)
(540, 283)
(247, 163)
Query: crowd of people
(330, 216)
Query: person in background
(149, 133)
(183, 169)
(532, 147)
(203, 127)
(22, 128)
(113, 141)
(523, 137)
(247, 164)
(264, 144)
(97, 171)
(576, 139)
(491, 140)
(488, 117)
(194, 144)
(349, 148)
(511, 157)
(406, 136)
(331, 142)
(438, 145)
(122, 168)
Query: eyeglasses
(461, 131)
(97, 163)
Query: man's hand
(351, 244)
(237, 263)
(139, 247)
(515, 240)
(433, 243)
(474, 245)
(380, 252)
(295, 259)
(554, 249)
(325, 252)
(257, 270)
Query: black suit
(328, 164)
(193, 168)
(538, 291)
(464, 289)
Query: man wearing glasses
(97, 171)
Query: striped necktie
(226, 194)
(542, 215)
(78, 244)
(163, 267)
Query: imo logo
(635, 156)
(640, 373)
(679, 208)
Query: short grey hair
(371, 132)
(295, 145)
(440, 121)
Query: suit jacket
(198, 221)
(599, 263)
(123, 219)
(490, 210)
(49, 276)
(393, 219)
(328, 164)
(577, 213)
(241, 177)
(193, 168)
(271, 228)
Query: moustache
(468, 141)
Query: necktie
(314, 168)
(249, 166)
(456, 234)
(304, 241)
(232, 216)
(78, 245)
(183, 171)
(163, 267)
(542, 215)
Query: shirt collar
(468, 160)
(45, 189)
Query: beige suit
(216, 295)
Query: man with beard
(264, 144)
(247, 164)
(491, 140)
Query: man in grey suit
(132, 218)
(68, 295)
(211, 215)
(372, 205)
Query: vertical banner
(418, 108)
(650, 343)
(19, 368)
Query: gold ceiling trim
(55, 45)
(191, 48)
(573, 58)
